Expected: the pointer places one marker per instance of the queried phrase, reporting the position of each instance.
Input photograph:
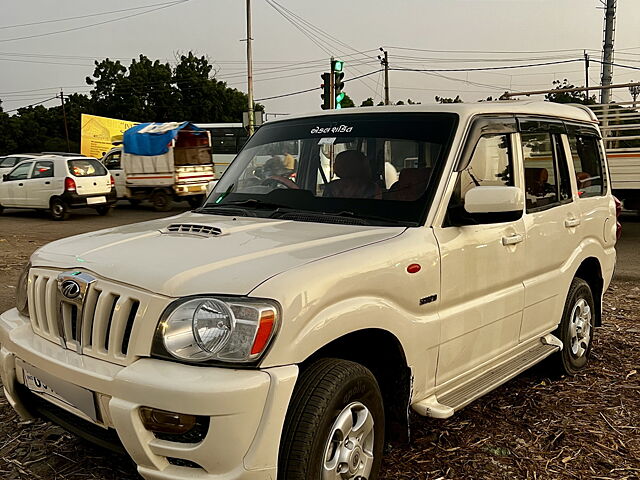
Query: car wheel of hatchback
(59, 209)
(335, 424)
(103, 210)
(576, 329)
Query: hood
(229, 255)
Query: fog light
(161, 421)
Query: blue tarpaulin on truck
(150, 139)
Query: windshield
(370, 168)
(86, 167)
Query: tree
(448, 99)
(569, 97)
(347, 102)
(367, 103)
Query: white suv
(285, 328)
(57, 184)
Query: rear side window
(587, 164)
(42, 169)
(86, 167)
(546, 176)
(112, 161)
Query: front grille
(102, 326)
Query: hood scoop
(193, 229)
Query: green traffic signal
(337, 65)
(339, 98)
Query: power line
(94, 24)
(5, 27)
(32, 105)
(479, 69)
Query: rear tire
(575, 330)
(161, 201)
(103, 210)
(334, 427)
(1, 209)
(59, 210)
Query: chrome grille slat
(51, 306)
(105, 322)
(39, 291)
(192, 229)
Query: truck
(161, 162)
(620, 126)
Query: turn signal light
(162, 421)
(69, 184)
(267, 320)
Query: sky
(418, 34)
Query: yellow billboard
(97, 133)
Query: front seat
(355, 177)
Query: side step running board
(445, 404)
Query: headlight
(217, 329)
(22, 300)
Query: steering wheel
(278, 181)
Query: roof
(464, 110)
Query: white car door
(112, 162)
(41, 185)
(12, 190)
(482, 263)
(552, 220)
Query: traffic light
(336, 65)
(338, 85)
(326, 91)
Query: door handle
(47, 183)
(512, 239)
(571, 222)
(21, 184)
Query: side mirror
(492, 200)
(4, 177)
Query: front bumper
(246, 408)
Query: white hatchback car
(284, 329)
(58, 184)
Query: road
(628, 264)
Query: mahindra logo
(70, 289)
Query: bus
(226, 141)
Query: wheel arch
(382, 353)
(590, 270)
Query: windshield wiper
(375, 218)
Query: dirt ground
(534, 427)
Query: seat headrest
(537, 175)
(352, 164)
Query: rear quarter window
(86, 167)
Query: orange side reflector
(264, 332)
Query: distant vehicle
(162, 162)
(58, 184)
(7, 163)
(227, 139)
(620, 128)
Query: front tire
(334, 427)
(576, 329)
(59, 210)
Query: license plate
(76, 399)
(93, 200)
(197, 188)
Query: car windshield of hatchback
(363, 169)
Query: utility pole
(250, 71)
(607, 50)
(64, 115)
(586, 74)
(332, 86)
(634, 90)
(384, 61)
